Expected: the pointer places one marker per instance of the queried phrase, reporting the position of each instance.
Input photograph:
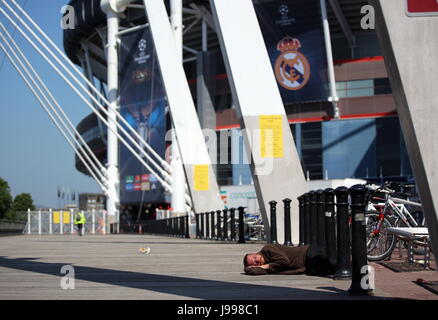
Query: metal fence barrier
(229, 224)
(62, 222)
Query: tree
(22, 202)
(5, 198)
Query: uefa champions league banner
(143, 105)
(294, 38)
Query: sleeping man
(280, 259)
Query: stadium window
(311, 146)
(355, 88)
(382, 86)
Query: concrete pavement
(111, 267)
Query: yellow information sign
(200, 177)
(271, 136)
(66, 217)
(56, 217)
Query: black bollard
(218, 225)
(225, 229)
(343, 263)
(213, 231)
(301, 241)
(313, 219)
(202, 226)
(330, 225)
(320, 219)
(187, 226)
(197, 225)
(273, 209)
(233, 224)
(180, 227)
(241, 225)
(287, 227)
(207, 225)
(177, 232)
(183, 227)
(359, 260)
(307, 230)
(166, 227)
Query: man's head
(253, 259)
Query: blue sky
(34, 157)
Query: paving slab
(111, 267)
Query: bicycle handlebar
(377, 188)
(388, 188)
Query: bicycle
(384, 212)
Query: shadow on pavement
(180, 286)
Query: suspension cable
(101, 107)
(37, 96)
(99, 94)
(165, 184)
(62, 54)
(38, 78)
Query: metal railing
(61, 222)
(232, 225)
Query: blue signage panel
(143, 105)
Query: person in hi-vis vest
(79, 222)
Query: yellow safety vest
(79, 218)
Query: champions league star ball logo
(142, 45)
(292, 68)
(283, 9)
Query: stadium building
(357, 137)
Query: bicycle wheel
(380, 243)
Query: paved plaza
(111, 267)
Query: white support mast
(112, 8)
(178, 179)
(330, 65)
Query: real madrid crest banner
(294, 38)
(143, 105)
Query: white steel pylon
(409, 45)
(178, 179)
(275, 165)
(113, 197)
(200, 176)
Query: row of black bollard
(214, 225)
(176, 226)
(337, 233)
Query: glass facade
(363, 88)
(311, 146)
(370, 149)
